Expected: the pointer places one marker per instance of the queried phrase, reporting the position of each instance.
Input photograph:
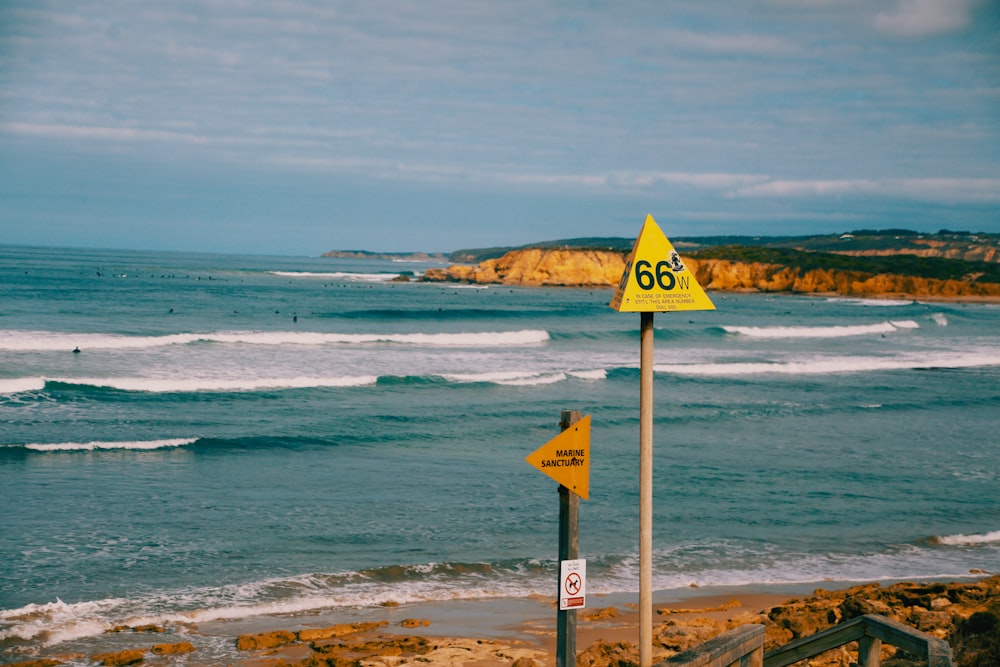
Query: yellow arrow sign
(655, 279)
(566, 458)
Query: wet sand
(500, 631)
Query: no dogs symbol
(573, 584)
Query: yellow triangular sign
(655, 279)
(566, 458)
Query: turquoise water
(247, 435)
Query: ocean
(241, 437)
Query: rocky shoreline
(538, 267)
(966, 615)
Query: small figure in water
(76, 350)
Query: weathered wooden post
(869, 651)
(566, 459)
(569, 549)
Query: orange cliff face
(723, 275)
(535, 267)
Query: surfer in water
(76, 350)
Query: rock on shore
(967, 616)
(603, 268)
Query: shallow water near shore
(242, 437)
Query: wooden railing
(744, 646)
(869, 631)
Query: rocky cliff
(593, 268)
(723, 275)
(536, 267)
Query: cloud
(954, 190)
(62, 131)
(747, 44)
(710, 181)
(925, 18)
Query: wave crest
(47, 341)
(822, 332)
(824, 365)
(95, 445)
(965, 540)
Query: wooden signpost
(655, 280)
(566, 459)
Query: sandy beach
(521, 631)
(474, 633)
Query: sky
(294, 127)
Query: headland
(852, 265)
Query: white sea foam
(730, 563)
(126, 444)
(873, 302)
(477, 339)
(20, 385)
(46, 341)
(483, 339)
(977, 538)
(940, 319)
(514, 378)
(822, 332)
(174, 385)
(49, 341)
(596, 374)
(339, 275)
(826, 365)
(541, 378)
(526, 377)
(57, 622)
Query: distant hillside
(891, 261)
(949, 244)
(756, 269)
(400, 256)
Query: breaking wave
(97, 445)
(45, 341)
(822, 332)
(992, 537)
(825, 365)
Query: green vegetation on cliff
(954, 244)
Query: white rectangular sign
(572, 584)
